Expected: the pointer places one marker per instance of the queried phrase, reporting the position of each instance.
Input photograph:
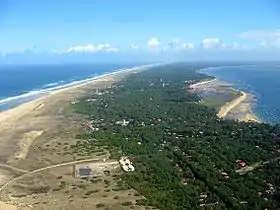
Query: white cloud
(134, 47)
(174, 43)
(82, 48)
(153, 42)
(177, 44)
(106, 48)
(187, 46)
(55, 51)
(210, 43)
(231, 46)
(236, 46)
(260, 35)
(263, 43)
(89, 48)
(265, 38)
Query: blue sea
(19, 84)
(261, 80)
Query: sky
(102, 30)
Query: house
(74, 102)
(122, 122)
(242, 164)
(84, 172)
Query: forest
(184, 155)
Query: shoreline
(24, 108)
(35, 115)
(240, 108)
(37, 94)
(225, 109)
(236, 104)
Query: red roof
(242, 163)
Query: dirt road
(13, 168)
(56, 166)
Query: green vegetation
(127, 203)
(219, 96)
(100, 205)
(184, 155)
(91, 191)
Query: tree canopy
(185, 156)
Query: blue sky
(54, 29)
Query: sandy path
(26, 142)
(224, 110)
(193, 86)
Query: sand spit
(239, 108)
(224, 110)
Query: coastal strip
(40, 114)
(35, 94)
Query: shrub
(127, 203)
(100, 205)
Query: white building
(126, 164)
(122, 122)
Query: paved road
(55, 166)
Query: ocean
(19, 84)
(263, 81)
